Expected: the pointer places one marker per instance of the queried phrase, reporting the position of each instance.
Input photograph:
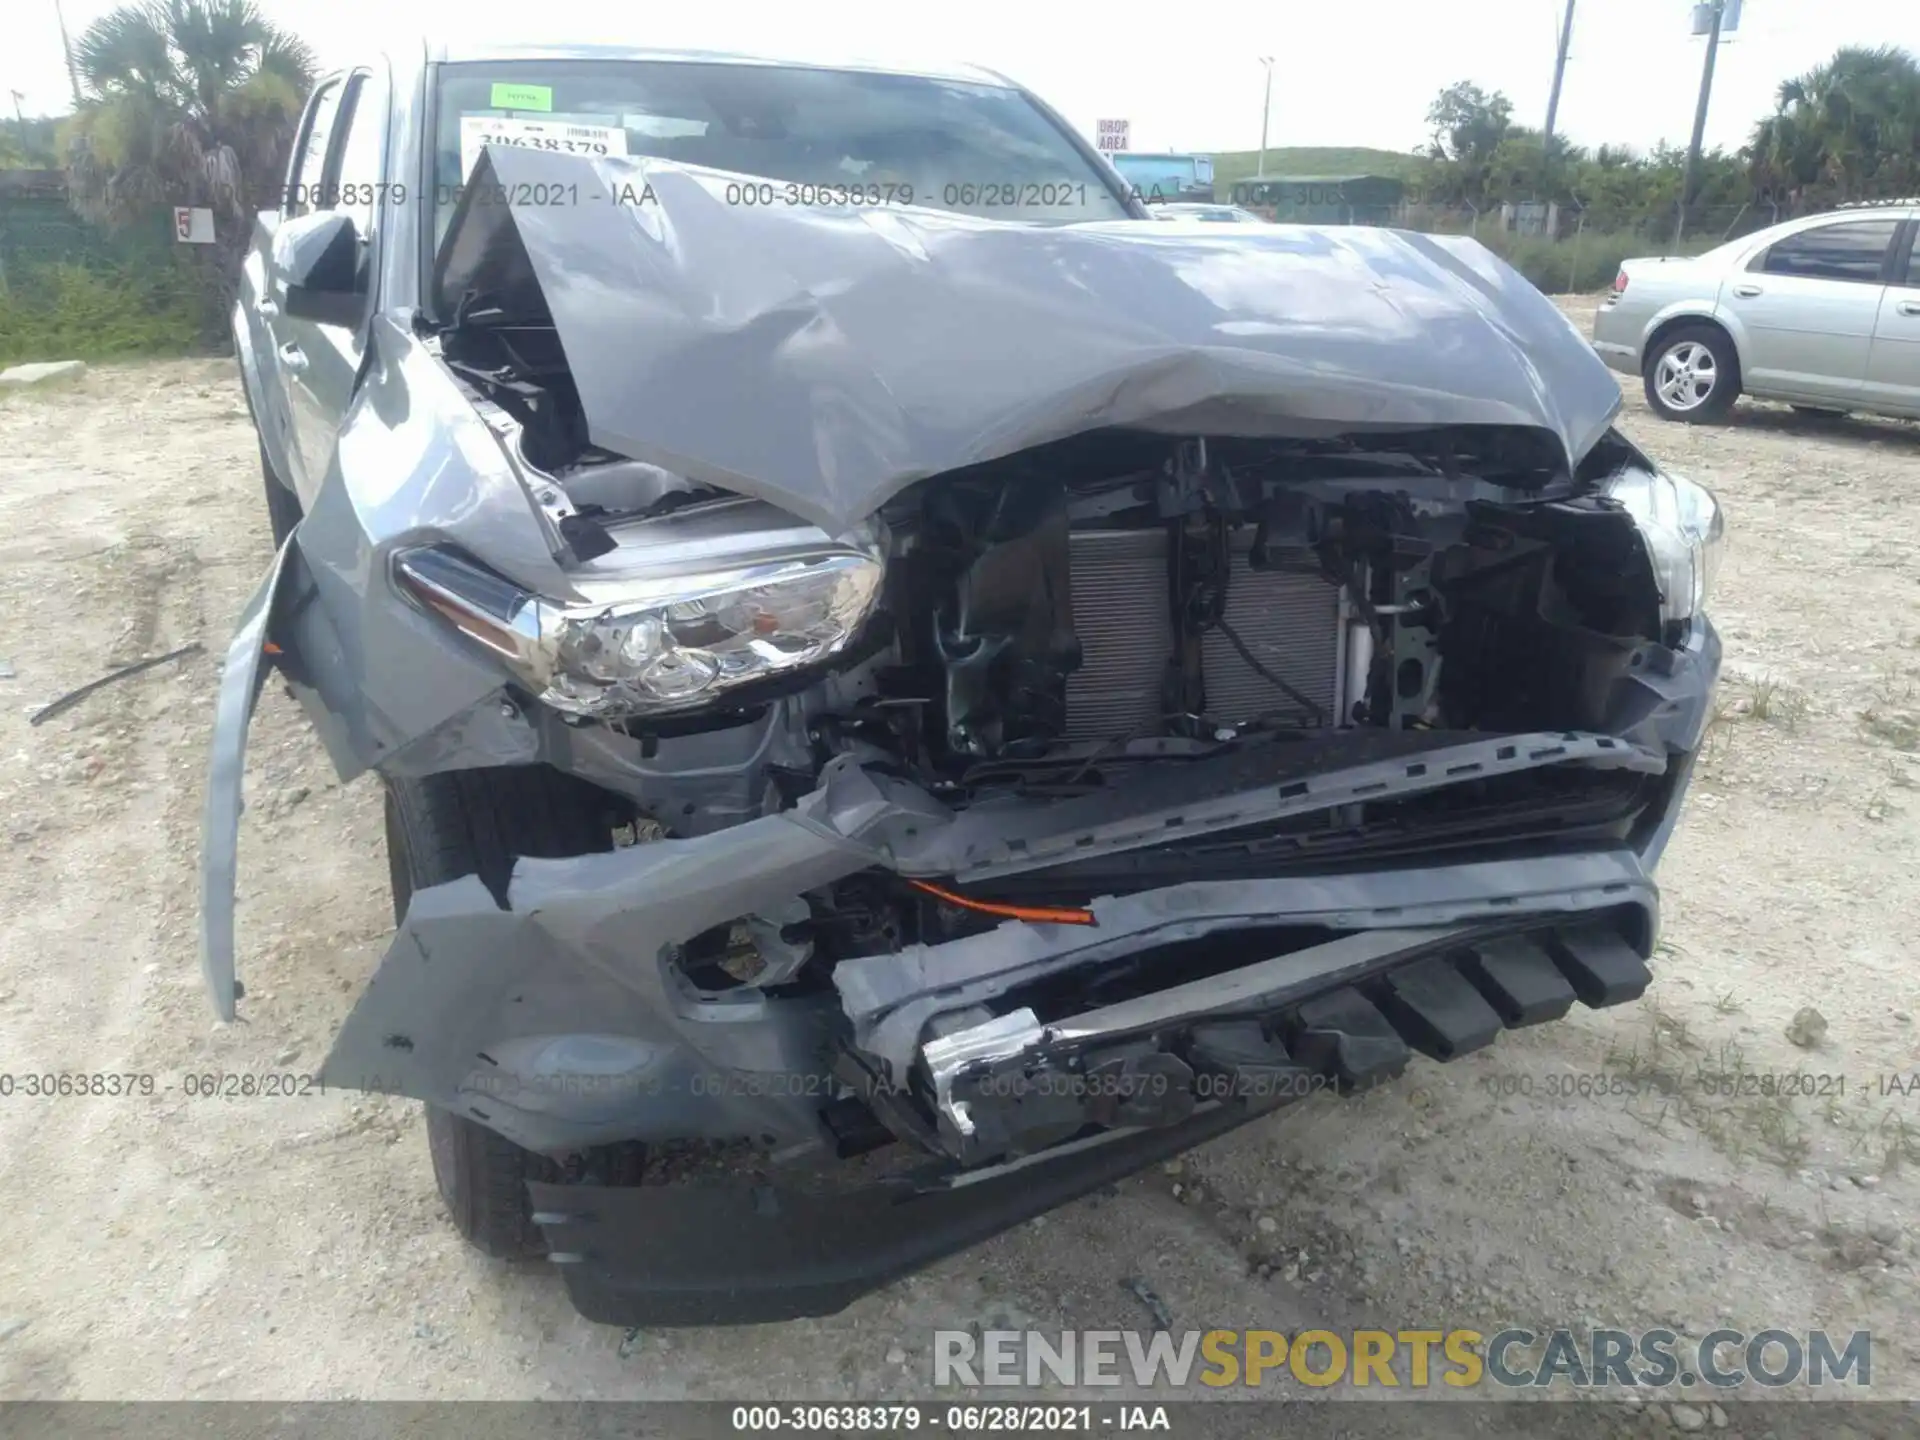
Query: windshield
(848, 136)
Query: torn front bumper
(559, 1015)
(694, 1254)
(562, 1017)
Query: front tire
(477, 822)
(1692, 375)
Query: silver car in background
(1822, 312)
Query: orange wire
(1048, 914)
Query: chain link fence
(38, 228)
(1563, 246)
(70, 289)
(1569, 247)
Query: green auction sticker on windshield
(507, 96)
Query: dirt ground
(169, 1246)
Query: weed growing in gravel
(1716, 740)
(1717, 1095)
(1771, 700)
(1740, 1111)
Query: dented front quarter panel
(414, 465)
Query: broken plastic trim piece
(74, 697)
(1041, 914)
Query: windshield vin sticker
(478, 131)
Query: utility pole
(1559, 70)
(1719, 9)
(66, 45)
(1266, 110)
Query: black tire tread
(482, 1178)
(465, 822)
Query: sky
(1186, 77)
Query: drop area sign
(1112, 136)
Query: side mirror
(318, 257)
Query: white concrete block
(42, 370)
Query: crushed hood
(824, 359)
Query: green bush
(1570, 266)
(1580, 263)
(73, 312)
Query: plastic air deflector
(1600, 965)
(1343, 1035)
(1437, 1010)
(1518, 979)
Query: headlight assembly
(1684, 530)
(688, 608)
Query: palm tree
(1847, 129)
(185, 102)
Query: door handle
(1908, 307)
(267, 308)
(293, 357)
(1747, 291)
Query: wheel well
(1684, 322)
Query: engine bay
(1122, 610)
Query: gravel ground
(169, 1247)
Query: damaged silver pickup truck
(906, 689)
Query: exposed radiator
(1291, 621)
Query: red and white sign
(193, 225)
(1112, 136)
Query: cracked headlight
(1684, 530)
(674, 618)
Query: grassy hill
(1232, 165)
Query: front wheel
(1693, 375)
(477, 822)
